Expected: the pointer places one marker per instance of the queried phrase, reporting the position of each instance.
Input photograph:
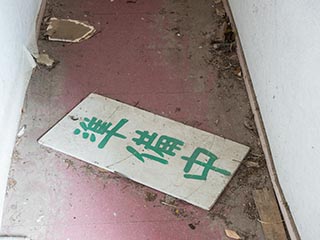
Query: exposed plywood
(171, 157)
(270, 217)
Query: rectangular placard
(182, 161)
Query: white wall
(281, 42)
(17, 26)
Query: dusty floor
(161, 56)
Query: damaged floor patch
(171, 157)
(68, 30)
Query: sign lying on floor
(179, 160)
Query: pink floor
(132, 58)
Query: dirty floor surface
(161, 56)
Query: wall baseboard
(284, 208)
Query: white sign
(179, 160)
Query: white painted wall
(281, 42)
(17, 26)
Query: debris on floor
(220, 35)
(21, 131)
(169, 201)
(150, 197)
(232, 234)
(220, 11)
(192, 226)
(249, 125)
(68, 30)
(252, 164)
(179, 212)
(229, 35)
(224, 36)
(11, 183)
(270, 216)
(45, 59)
(174, 158)
(237, 71)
